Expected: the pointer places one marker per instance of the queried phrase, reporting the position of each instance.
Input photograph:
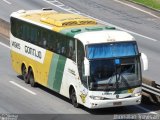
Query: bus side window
(33, 35)
(80, 61)
(27, 34)
(64, 46)
(71, 50)
(19, 29)
(38, 37)
(58, 47)
(53, 43)
(24, 31)
(13, 26)
(50, 41)
(42, 42)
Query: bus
(93, 65)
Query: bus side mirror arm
(145, 61)
(86, 67)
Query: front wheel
(74, 99)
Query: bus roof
(87, 30)
(104, 36)
(54, 20)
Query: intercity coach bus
(94, 65)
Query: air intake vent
(63, 20)
(71, 23)
(87, 22)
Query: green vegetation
(150, 3)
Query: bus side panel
(43, 69)
(16, 63)
(56, 72)
(40, 71)
(70, 77)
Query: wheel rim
(31, 80)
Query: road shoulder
(141, 6)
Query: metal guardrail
(4, 28)
(151, 89)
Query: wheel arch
(23, 64)
(70, 89)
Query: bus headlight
(96, 97)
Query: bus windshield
(107, 75)
(114, 66)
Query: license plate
(117, 103)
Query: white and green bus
(93, 65)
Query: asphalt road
(16, 99)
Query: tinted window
(44, 38)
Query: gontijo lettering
(33, 52)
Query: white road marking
(137, 8)
(100, 21)
(7, 2)
(4, 45)
(29, 91)
(145, 109)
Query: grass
(150, 3)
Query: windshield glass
(108, 75)
(110, 50)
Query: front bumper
(93, 104)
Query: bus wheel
(24, 74)
(31, 79)
(74, 98)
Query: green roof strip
(73, 31)
(94, 29)
(76, 30)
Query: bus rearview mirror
(145, 61)
(86, 67)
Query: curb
(156, 10)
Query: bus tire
(31, 78)
(24, 74)
(74, 98)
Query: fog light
(93, 104)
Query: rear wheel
(24, 74)
(74, 98)
(31, 78)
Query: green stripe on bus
(74, 31)
(59, 73)
(52, 71)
